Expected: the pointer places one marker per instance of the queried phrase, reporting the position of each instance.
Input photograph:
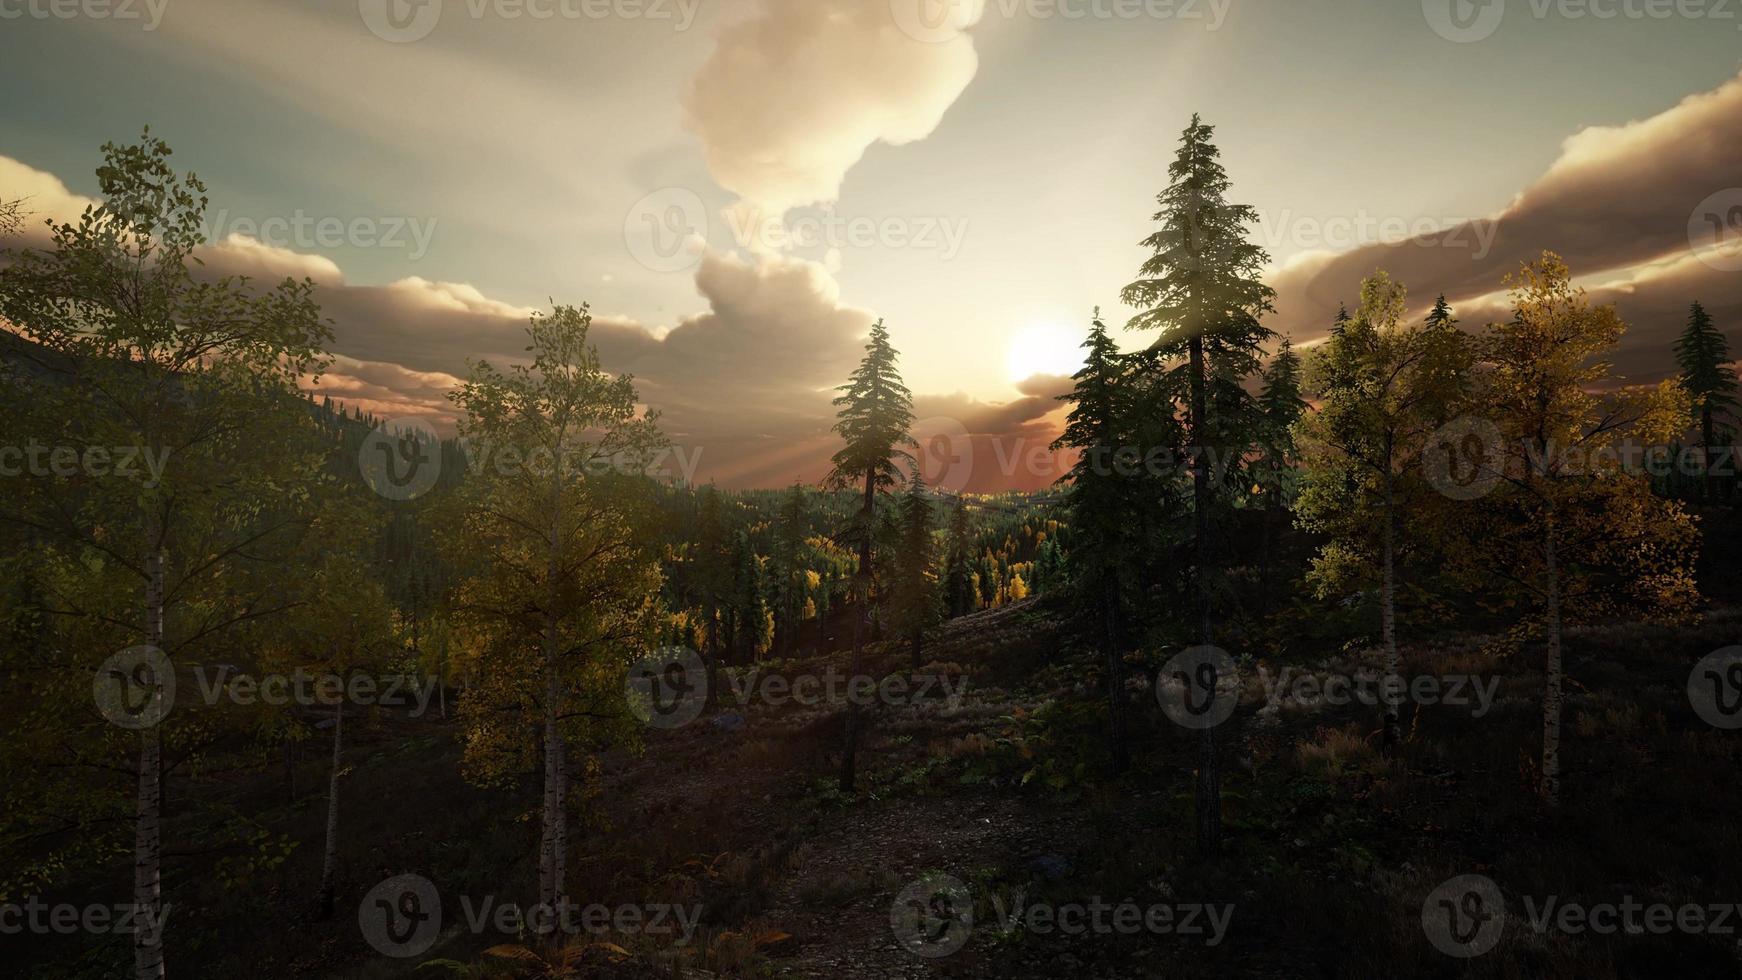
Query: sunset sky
(979, 173)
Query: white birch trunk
(1551, 701)
(330, 862)
(148, 827)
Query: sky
(738, 188)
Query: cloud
(241, 255)
(45, 199)
(1619, 200)
(794, 95)
(389, 390)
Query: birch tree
(183, 451)
(1385, 386)
(1573, 529)
(553, 509)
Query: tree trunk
(559, 848)
(1209, 784)
(1707, 436)
(1115, 681)
(918, 649)
(330, 863)
(1551, 701)
(148, 828)
(290, 771)
(550, 875)
(861, 585)
(1388, 615)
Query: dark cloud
(1617, 198)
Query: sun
(1044, 348)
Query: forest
(1411, 651)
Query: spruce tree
(1200, 288)
(1280, 406)
(1440, 317)
(876, 411)
(1708, 378)
(1103, 497)
(786, 569)
(915, 605)
(959, 594)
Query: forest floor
(998, 776)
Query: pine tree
(959, 590)
(1275, 477)
(749, 609)
(711, 571)
(1440, 317)
(1200, 288)
(786, 569)
(876, 412)
(1704, 356)
(1280, 405)
(1103, 498)
(915, 605)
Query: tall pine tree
(1104, 496)
(876, 411)
(915, 605)
(1708, 378)
(959, 593)
(1200, 288)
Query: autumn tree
(1200, 288)
(133, 352)
(1573, 530)
(1385, 386)
(568, 595)
(876, 412)
(1710, 381)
